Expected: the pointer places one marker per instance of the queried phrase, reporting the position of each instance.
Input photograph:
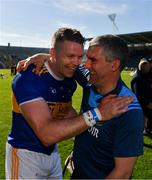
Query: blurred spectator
(13, 69)
(141, 85)
(150, 61)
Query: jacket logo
(93, 131)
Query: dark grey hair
(114, 48)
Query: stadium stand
(12, 54)
(140, 45)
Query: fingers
(128, 99)
(123, 100)
(118, 112)
(20, 65)
(37, 59)
(23, 65)
(32, 60)
(27, 63)
(120, 102)
(114, 106)
(110, 96)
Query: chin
(92, 82)
(69, 75)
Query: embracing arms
(51, 131)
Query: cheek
(66, 61)
(102, 70)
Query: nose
(77, 61)
(87, 64)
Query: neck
(108, 85)
(53, 66)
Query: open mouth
(72, 69)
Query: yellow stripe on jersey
(15, 164)
(42, 71)
(59, 109)
(15, 106)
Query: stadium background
(140, 45)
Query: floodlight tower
(112, 17)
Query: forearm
(123, 168)
(38, 58)
(51, 131)
(71, 114)
(45, 56)
(57, 130)
(118, 174)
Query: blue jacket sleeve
(128, 139)
(82, 76)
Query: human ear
(115, 65)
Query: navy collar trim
(116, 90)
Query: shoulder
(132, 119)
(134, 113)
(30, 72)
(125, 91)
(27, 85)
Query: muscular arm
(72, 113)
(51, 131)
(37, 59)
(123, 168)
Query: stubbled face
(100, 69)
(68, 58)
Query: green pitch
(143, 169)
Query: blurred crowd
(141, 85)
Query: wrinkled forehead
(94, 49)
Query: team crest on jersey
(53, 90)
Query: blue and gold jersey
(95, 149)
(28, 86)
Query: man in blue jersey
(107, 150)
(42, 112)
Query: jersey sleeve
(128, 140)
(82, 75)
(26, 86)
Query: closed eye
(92, 59)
